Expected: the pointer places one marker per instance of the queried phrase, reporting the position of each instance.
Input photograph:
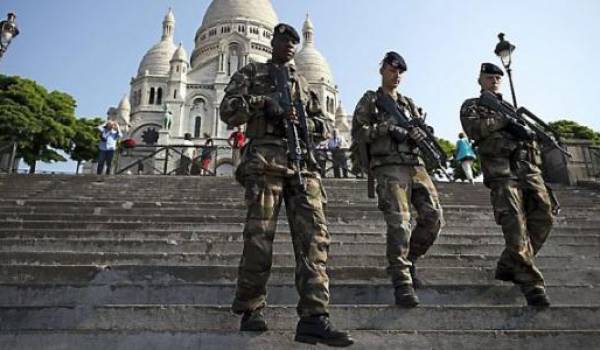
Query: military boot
(537, 297)
(318, 329)
(253, 321)
(504, 273)
(405, 296)
(417, 284)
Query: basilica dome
(156, 60)
(227, 10)
(180, 54)
(309, 61)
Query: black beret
(395, 60)
(287, 30)
(490, 68)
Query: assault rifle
(432, 152)
(543, 132)
(296, 123)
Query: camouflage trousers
(310, 237)
(524, 210)
(397, 187)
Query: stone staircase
(150, 263)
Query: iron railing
(163, 160)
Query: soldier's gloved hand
(379, 130)
(397, 133)
(273, 109)
(417, 134)
(520, 131)
(257, 102)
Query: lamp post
(8, 31)
(504, 50)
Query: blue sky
(90, 49)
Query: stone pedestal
(161, 158)
(582, 166)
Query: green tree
(41, 122)
(84, 144)
(447, 146)
(568, 129)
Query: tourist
(110, 133)
(465, 155)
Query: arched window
(151, 99)
(175, 94)
(199, 104)
(159, 96)
(197, 127)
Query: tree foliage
(41, 122)
(84, 144)
(568, 129)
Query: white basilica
(233, 33)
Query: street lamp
(504, 50)
(8, 31)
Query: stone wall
(583, 166)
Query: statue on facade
(167, 119)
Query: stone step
(196, 318)
(491, 235)
(130, 258)
(341, 215)
(365, 218)
(276, 340)
(215, 186)
(119, 182)
(365, 293)
(32, 275)
(93, 181)
(209, 247)
(102, 206)
(236, 198)
(234, 192)
(221, 224)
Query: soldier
(401, 179)
(510, 160)
(269, 176)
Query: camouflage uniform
(522, 204)
(401, 179)
(267, 176)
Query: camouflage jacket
(502, 155)
(244, 103)
(370, 126)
